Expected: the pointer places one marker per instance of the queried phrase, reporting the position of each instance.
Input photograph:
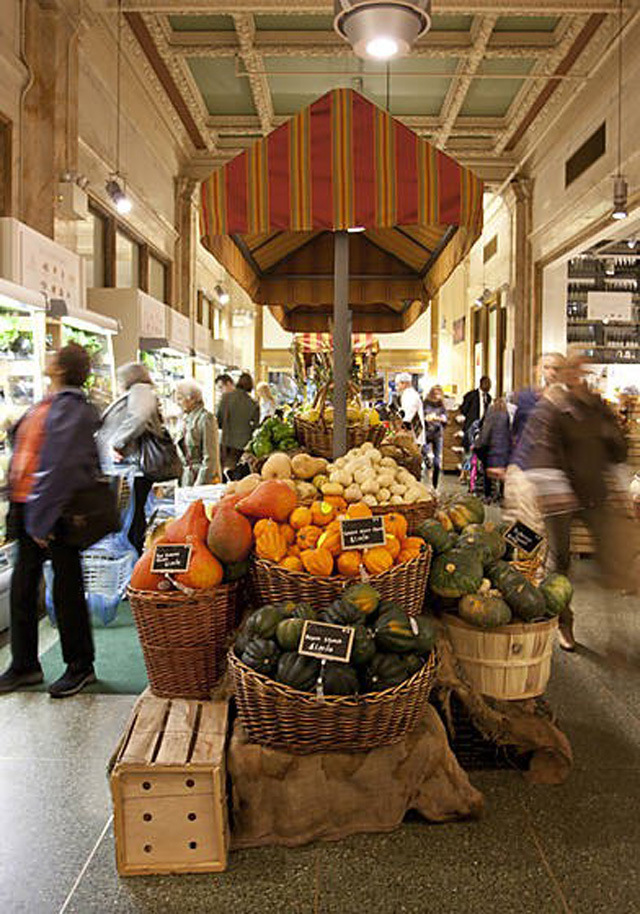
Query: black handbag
(90, 515)
(159, 457)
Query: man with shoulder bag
(58, 505)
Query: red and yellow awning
(339, 164)
(323, 342)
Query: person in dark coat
(494, 445)
(54, 456)
(238, 416)
(435, 417)
(475, 405)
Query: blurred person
(575, 449)
(475, 405)
(135, 412)
(198, 442)
(411, 408)
(435, 417)
(224, 384)
(54, 456)
(238, 416)
(493, 446)
(266, 400)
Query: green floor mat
(119, 663)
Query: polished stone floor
(564, 849)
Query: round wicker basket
(406, 584)
(415, 514)
(317, 438)
(280, 717)
(184, 638)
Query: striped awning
(342, 163)
(323, 342)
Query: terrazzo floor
(573, 848)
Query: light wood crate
(581, 540)
(168, 784)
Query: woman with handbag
(131, 422)
(54, 458)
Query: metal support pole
(341, 341)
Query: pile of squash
(469, 571)
(388, 646)
(309, 541)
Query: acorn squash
(455, 573)
(297, 671)
(486, 610)
(341, 612)
(384, 672)
(363, 596)
(264, 621)
(339, 679)
(288, 633)
(364, 645)
(304, 611)
(261, 655)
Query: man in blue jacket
(54, 456)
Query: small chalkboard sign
(372, 389)
(171, 558)
(326, 641)
(362, 532)
(522, 537)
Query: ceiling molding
(325, 7)
(254, 65)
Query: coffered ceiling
(481, 84)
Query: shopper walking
(435, 417)
(54, 456)
(411, 408)
(266, 401)
(198, 443)
(493, 447)
(224, 384)
(475, 405)
(134, 413)
(238, 416)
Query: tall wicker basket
(185, 637)
(317, 438)
(406, 584)
(415, 514)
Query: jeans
(68, 599)
(142, 485)
(433, 454)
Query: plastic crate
(106, 574)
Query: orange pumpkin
(337, 502)
(406, 555)
(308, 536)
(359, 509)
(271, 545)
(377, 560)
(288, 532)
(414, 543)
(322, 513)
(300, 517)
(349, 563)
(262, 526)
(331, 539)
(396, 524)
(292, 563)
(318, 562)
(392, 545)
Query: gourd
(322, 513)
(491, 543)
(363, 596)
(486, 610)
(271, 545)
(331, 540)
(305, 467)
(288, 633)
(443, 518)
(337, 502)
(526, 601)
(353, 493)
(557, 592)
(397, 632)
(360, 509)
(261, 655)
(413, 663)
(318, 562)
(308, 536)
(298, 671)
(392, 546)
(342, 613)
(288, 533)
(277, 466)
(384, 672)
(455, 573)
(349, 563)
(364, 645)
(299, 518)
(396, 525)
(377, 560)
(264, 621)
(339, 679)
(433, 533)
(292, 563)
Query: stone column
(524, 330)
(186, 246)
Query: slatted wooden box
(168, 784)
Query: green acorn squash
(486, 610)
(242, 639)
(455, 573)
(261, 655)
(304, 611)
(433, 533)
(425, 638)
(363, 596)
(263, 622)
(364, 645)
(339, 679)
(341, 613)
(413, 663)
(394, 633)
(557, 592)
(297, 671)
(288, 633)
(384, 672)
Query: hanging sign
(362, 532)
(326, 641)
(372, 389)
(522, 537)
(171, 558)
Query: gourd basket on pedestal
(280, 717)
(316, 438)
(512, 662)
(184, 637)
(406, 584)
(415, 514)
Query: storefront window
(127, 262)
(91, 245)
(157, 278)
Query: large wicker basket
(280, 717)
(317, 438)
(415, 514)
(406, 584)
(185, 638)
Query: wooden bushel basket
(511, 662)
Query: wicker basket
(280, 717)
(415, 514)
(406, 584)
(317, 438)
(185, 638)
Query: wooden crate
(581, 540)
(451, 459)
(168, 784)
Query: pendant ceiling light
(382, 29)
(619, 183)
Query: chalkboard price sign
(522, 537)
(326, 641)
(362, 532)
(171, 558)
(372, 389)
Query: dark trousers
(68, 600)
(433, 454)
(142, 485)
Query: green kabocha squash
(363, 596)
(264, 622)
(486, 610)
(384, 672)
(557, 592)
(526, 601)
(490, 544)
(455, 573)
(299, 672)
(364, 645)
(288, 633)
(341, 613)
(500, 572)
(261, 655)
(433, 533)
(459, 516)
(413, 663)
(304, 611)
(473, 506)
(339, 679)
(394, 633)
